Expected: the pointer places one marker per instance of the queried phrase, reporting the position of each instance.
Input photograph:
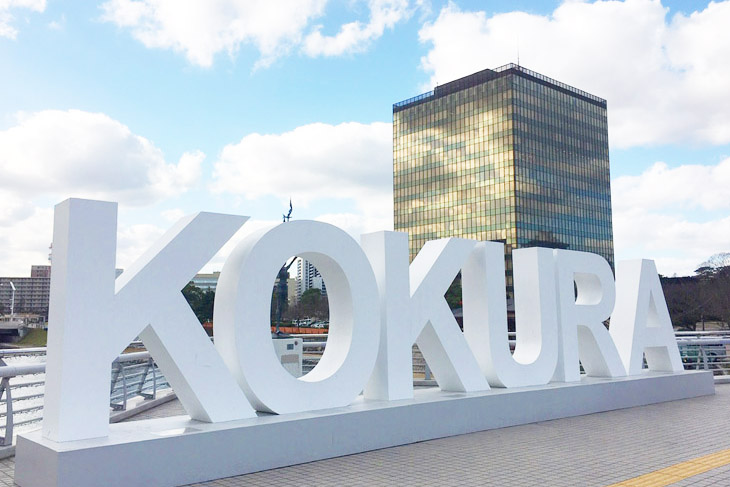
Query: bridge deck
(679, 443)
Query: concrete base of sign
(176, 451)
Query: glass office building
(506, 155)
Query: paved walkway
(662, 444)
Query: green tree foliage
(200, 301)
(453, 294)
(313, 304)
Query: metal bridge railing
(706, 350)
(22, 386)
(136, 374)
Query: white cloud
(24, 235)
(662, 213)
(52, 155)
(664, 76)
(13, 208)
(677, 244)
(200, 30)
(350, 161)
(356, 224)
(684, 187)
(90, 155)
(7, 18)
(134, 240)
(173, 215)
(252, 225)
(356, 36)
(59, 24)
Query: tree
(312, 304)
(200, 301)
(715, 262)
(684, 301)
(453, 294)
(702, 297)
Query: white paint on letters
(485, 315)
(434, 328)
(379, 306)
(640, 323)
(581, 316)
(392, 378)
(91, 322)
(242, 319)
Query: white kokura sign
(379, 307)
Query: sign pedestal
(177, 451)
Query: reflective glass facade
(506, 155)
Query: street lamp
(12, 300)
(12, 297)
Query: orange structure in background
(295, 330)
(292, 330)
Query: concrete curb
(7, 451)
(120, 416)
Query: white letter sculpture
(640, 324)
(392, 378)
(242, 320)
(485, 315)
(92, 322)
(379, 306)
(435, 330)
(413, 309)
(582, 333)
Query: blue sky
(171, 107)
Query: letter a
(640, 323)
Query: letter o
(242, 317)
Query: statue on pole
(282, 287)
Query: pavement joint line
(679, 471)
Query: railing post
(7, 440)
(124, 388)
(140, 388)
(154, 379)
(115, 376)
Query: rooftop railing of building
(420, 97)
(550, 80)
(478, 78)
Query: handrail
(39, 368)
(679, 334)
(7, 352)
(135, 374)
(132, 357)
(703, 341)
(22, 369)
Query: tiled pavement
(597, 449)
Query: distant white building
(206, 282)
(308, 277)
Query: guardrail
(136, 374)
(133, 374)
